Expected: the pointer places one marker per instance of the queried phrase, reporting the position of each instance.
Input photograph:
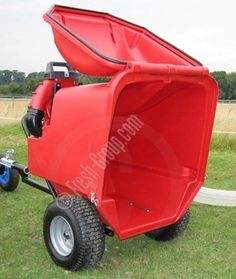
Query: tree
(231, 80)
(18, 76)
(5, 77)
(16, 89)
(220, 76)
(30, 85)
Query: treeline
(16, 83)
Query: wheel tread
(172, 231)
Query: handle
(51, 74)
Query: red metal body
(151, 124)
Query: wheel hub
(62, 236)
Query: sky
(205, 29)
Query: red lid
(100, 44)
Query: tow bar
(7, 161)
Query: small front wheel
(9, 178)
(73, 233)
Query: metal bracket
(8, 158)
(108, 231)
(93, 199)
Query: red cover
(100, 44)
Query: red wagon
(126, 156)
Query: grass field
(12, 108)
(206, 250)
(225, 117)
(221, 170)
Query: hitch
(7, 161)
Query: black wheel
(73, 233)
(172, 231)
(9, 179)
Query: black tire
(85, 228)
(172, 231)
(12, 182)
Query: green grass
(206, 250)
(221, 170)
